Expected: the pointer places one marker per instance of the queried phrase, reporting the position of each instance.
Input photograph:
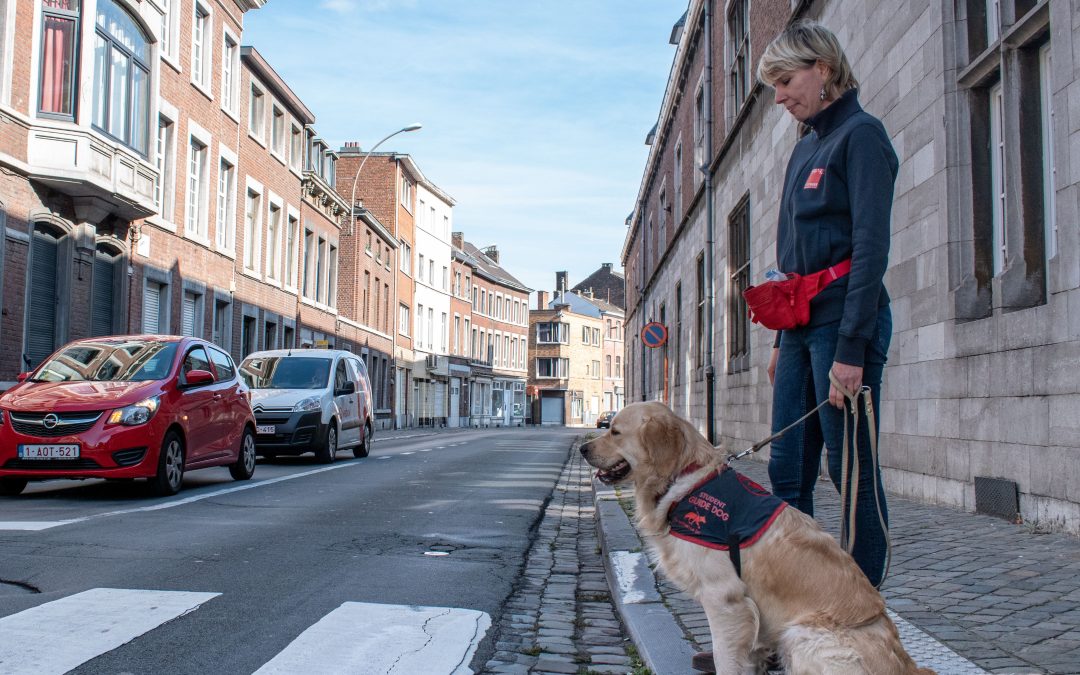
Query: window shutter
(152, 308)
(41, 321)
(187, 318)
(101, 319)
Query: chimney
(457, 239)
(560, 282)
(493, 253)
(541, 300)
(350, 148)
(606, 267)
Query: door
(364, 396)
(103, 297)
(200, 405)
(552, 409)
(234, 405)
(453, 418)
(348, 418)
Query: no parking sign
(654, 334)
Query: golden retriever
(800, 596)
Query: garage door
(552, 410)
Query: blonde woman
(836, 206)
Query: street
(425, 537)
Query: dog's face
(644, 440)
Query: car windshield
(127, 361)
(286, 372)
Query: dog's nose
(584, 449)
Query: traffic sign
(654, 334)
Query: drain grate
(997, 497)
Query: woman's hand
(849, 377)
(772, 364)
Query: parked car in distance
(309, 400)
(136, 406)
(604, 420)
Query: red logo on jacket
(814, 179)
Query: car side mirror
(22, 377)
(195, 378)
(346, 389)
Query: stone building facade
(979, 101)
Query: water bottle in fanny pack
(785, 303)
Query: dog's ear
(664, 442)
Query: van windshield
(129, 361)
(286, 372)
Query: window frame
(105, 90)
(75, 17)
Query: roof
(604, 284)
(410, 164)
(276, 84)
(578, 304)
(490, 269)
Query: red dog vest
(725, 510)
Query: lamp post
(352, 199)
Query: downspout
(710, 243)
(641, 304)
(394, 318)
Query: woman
(836, 205)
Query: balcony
(83, 163)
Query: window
(222, 334)
(331, 282)
(230, 68)
(679, 357)
(60, 34)
(738, 324)
(607, 365)
(121, 77)
(618, 366)
(320, 271)
(552, 332)
(595, 370)
(163, 159)
(226, 205)
(290, 250)
(1049, 173)
(308, 253)
(585, 333)
(223, 365)
(256, 113)
(738, 54)
(155, 308)
(406, 194)
(191, 314)
(430, 328)
(997, 178)
(277, 131)
(195, 221)
(168, 27)
(201, 31)
(699, 327)
(252, 225)
(419, 325)
(664, 208)
(431, 273)
(676, 185)
(296, 147)
(699, 130)
(552, 367)
(273, 244)
(420, 266)
(444, 278)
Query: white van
(309, 400)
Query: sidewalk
(969, 593)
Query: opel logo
(50, 421)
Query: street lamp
(352, 199)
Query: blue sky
(534, 113)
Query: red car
(135, 406)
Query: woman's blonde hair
(801, 45)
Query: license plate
(67, 451)
(266, 430)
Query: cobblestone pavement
(561, 618)
(1002, 595)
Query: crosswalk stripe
(361, 638)
(61, 635)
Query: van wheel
(244, 466)
(170, 468)
(364, 448)
(12, 485)
(327, 451)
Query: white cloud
(339, 6)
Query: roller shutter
(41, 314)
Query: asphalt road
(427, 521)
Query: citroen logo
(50, 421)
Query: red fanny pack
(780, 305)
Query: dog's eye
(614, 432)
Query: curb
(659, 639)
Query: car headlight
(137, 413)
(308, 404)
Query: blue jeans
(802, 381)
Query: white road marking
(180, 502)
(61, 635)
(411, 452)
(625, 564)
(384, 457)
(363, 638)
(30, 525)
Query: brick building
(495, 336)
(976, 97)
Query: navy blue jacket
(836, 204)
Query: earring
(822, 94)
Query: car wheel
(12, 485)
(244, 466)
(327, 451)
(170, 469)
(364, 448)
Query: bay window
(60, 31)
(121, 76)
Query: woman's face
(800, 91)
